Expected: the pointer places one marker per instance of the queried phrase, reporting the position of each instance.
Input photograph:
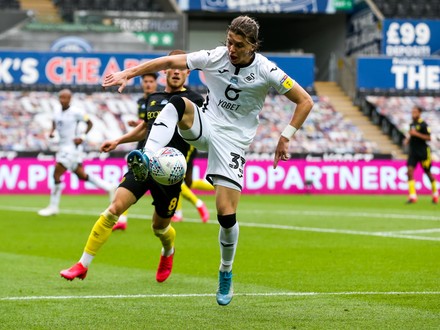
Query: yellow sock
(412, 188)
(167, 236)
(100, 232)
(179, 203)
(434, 187)
(202, 185)
(188, 194)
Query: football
(168, 166)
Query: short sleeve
(197, 60)
(279, 79)
(204, 58)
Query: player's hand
(51, 135)
(132, 123)
(77, 141)
(107, 146)
(412, 132)
(281, 152)
(116, 79)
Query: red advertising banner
(33, 176)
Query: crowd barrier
(33, 176)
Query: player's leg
(187, 193)
(178, 111)
(121, 224)
(426, 165)
(411, 164)
(178, 213)
(100, 233)
(201, 184)
(97, 181)
(55, 192)
(226, 202)
(225, 170)
(165, 202)
(167, 234)
(198, 203)
(128, 192)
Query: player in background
(69, 157)
(238, 79)
(149, 86)
(419, 152)
(130, 190)
(187, 193)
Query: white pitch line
(285, 212)
(356, 214)
(339, 231)
(250, 294)
(342, 214)
(260, 225)
(415, 231)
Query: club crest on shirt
(234, 80)
(250, 78)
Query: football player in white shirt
(238, 79)
(69, 156)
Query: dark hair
(246, 27)
(153, 74)
(176, 52)
(418, 107)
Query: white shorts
(70, 157)
(225, 160)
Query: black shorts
(165, 198)
(422, 156)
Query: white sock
(123, 218)
(86, 259)
(163, 128)
(167, 253)
(228, 239)
(100, 183)
(199, 203)
(55, 194)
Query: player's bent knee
(179, 104)
(227, 221)
(109, 218)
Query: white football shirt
(236, 94)
(67, 124)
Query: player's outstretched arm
(304, 104)
(121, 78)
(136, 134)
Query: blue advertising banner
(410, 37)
(267, 6)
(90, 68)
(398, 73)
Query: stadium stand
(26, 121)
(67, 8)
(325, 130)
(26, 118)
(409, 9)
(9, 4)
(394, 116)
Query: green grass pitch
(303, 262)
